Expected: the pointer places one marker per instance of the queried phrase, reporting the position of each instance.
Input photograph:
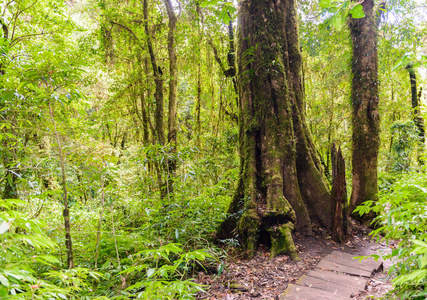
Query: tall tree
(364, 97)
(281, 182)
(8, 156)
(173, 85)
(415, 100)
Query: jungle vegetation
(142, 141)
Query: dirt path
(262, 278)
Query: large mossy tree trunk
(281, 183)
(366, 121)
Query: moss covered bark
(273, 196)
(364, 97)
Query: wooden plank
(363, 264)
(327, 265)
(346, 262)
(336, 283)
(296, 292)
(339, 278)
(324, 283)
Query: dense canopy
(144, 141)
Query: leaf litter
(263, 278)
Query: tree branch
(14, 41)
(216, 55)
(17, 15)
(231, 71)
(126, 28)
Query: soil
(265, 278)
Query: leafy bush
(402, 216)
(25, 252)
(403, 145)
(166, 269)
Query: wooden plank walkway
(337, 276)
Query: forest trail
(262, 278)
(336, 276)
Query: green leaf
(325, 3)
(47, 259)
(7, 95)
(150, 272)
(338, 21)
(221, 268)
(4, 281)
(224, 16)
(375, 256)
(357, 12)
(62, 296)
(4, 227)
(209, 3)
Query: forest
(148, 148)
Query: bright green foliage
(402, 216)
(26, 251)
(340, 12)
(411, 59)
(165, 270)
(225, 11)
(405, 140)
(89, 61)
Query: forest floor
(262, 278)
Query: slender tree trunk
(10, 190)
(158, 96)
(101, 216)
(416, 112)
(198, 103)
(66, 211)
(280, 184)
(158, 79)
(173, 85)
(199, 75)
(366, 121)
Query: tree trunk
(10, 190)
(158, 96)
(173, 84)
(339, 197)
(66, 211)
(280, 184)
(366, 121)
(199, 75)
(416, 112)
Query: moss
(282, 242)
(248, 227)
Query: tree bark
(173, 84)
(158, 96)
(415, 100)
(365, 115)
(10, 190)
(280, 185)
(66, 211)
(339, 197)
(199, 75)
